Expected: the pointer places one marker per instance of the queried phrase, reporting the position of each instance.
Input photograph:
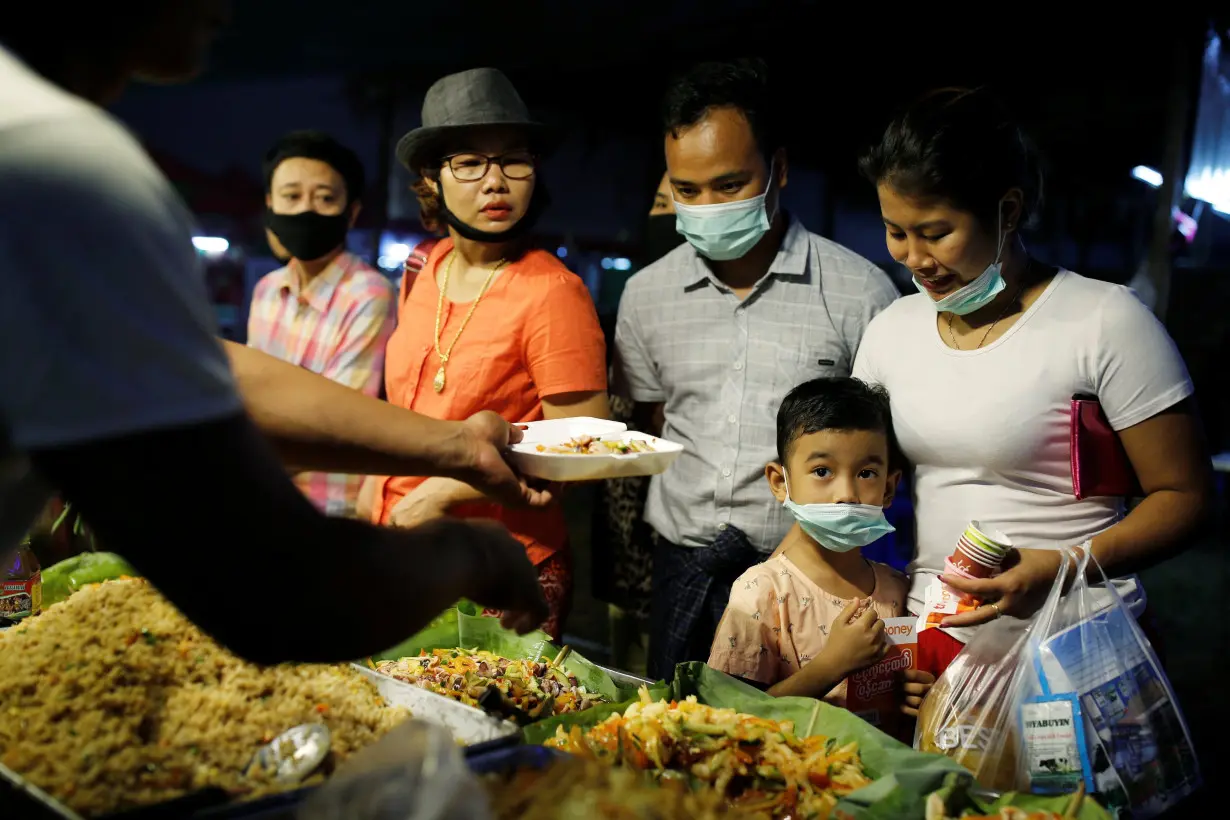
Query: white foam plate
(468, 725)
(569, 467)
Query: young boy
(809, 616)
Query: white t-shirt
(988, 430)
(105, 323)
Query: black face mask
(309, 235)
(539, 201)
(660, 238)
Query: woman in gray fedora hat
(489, 322)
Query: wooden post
(1174, 170)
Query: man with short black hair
(711, 337)
(327, 310)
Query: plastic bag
(415, 772)
(1073, 697)
(1139, 757)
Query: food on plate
(596, 446)
(536, 688)
(112, 699)
(575, 788)
(759, 765)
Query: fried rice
(113, 700)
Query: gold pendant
(438, 381)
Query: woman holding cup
(982, 366)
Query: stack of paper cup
(980, 551)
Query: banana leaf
(66, 577)
(460, 628)
(961, 797)
(904, 777)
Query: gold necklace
(1019, 288)
(438, 382)
(953, 335)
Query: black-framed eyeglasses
(473, 167)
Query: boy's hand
(857, 638)
(917, 684)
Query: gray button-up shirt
(722, 366)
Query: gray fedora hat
(475, 98)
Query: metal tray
(479, 732)
(469, 725)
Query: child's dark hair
(741, 84)
(842, 403)
(318, 146)
(961, 146)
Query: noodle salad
(759, 764)
(535, 687)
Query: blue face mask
(978, 293)
(839, 527)
(727, 230)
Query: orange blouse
(534, 335)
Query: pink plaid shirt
(336, 326)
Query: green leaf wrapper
(904, 777)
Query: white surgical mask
(978, 293)
(727, 230)
(839, 527)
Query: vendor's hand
(858, 643)
(917, 684)
(497, 572)
(482, 441)
(1019, 590)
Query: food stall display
(586, 788)
(125, 704)
(112, 700)
(760, 765)
(851, 770)
(536, 689)
(463, 653)
(122, 702)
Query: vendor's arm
(115, 378)
(317, 424)
(250, 530)
(1143, 386)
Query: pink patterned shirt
(337, 325)
(778, 619)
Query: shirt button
(726, 472)
(732, 418)
(722, 527)
(738, 365)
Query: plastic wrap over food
(415, 772)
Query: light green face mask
(978, 293)
(727, 230)
(839, 527)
